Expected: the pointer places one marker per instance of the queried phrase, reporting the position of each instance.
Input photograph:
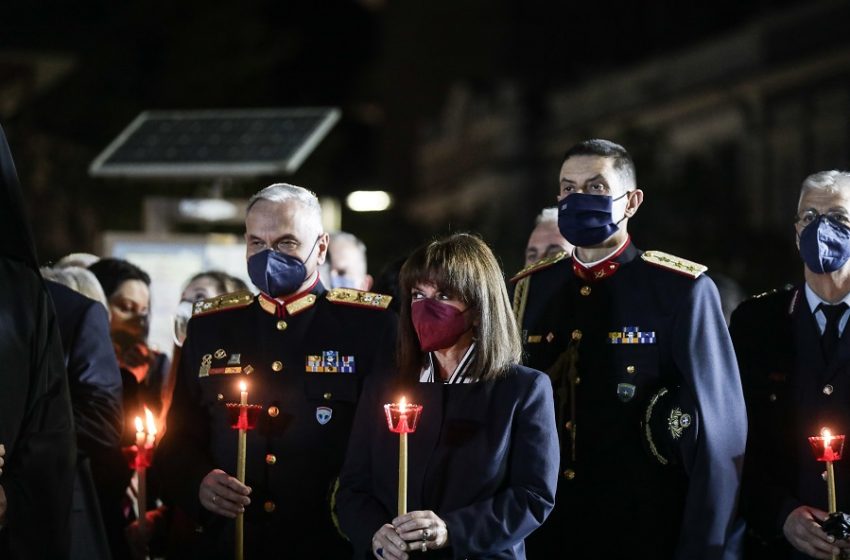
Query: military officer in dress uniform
(303, 353)
(648, 400)
(794, 354)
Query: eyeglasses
(806, 217)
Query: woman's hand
(422, 530)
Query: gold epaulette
(359, 298)
(674, 263)
(545, 262)
(222, 302)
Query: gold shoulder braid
(222, 302)
(545, 262)
(674, 263)
(359, 298)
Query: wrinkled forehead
(823, 199)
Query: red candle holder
(138, 458)
(827, 448)
(243, 417)
(402, 419)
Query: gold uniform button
(827, 390)
(328, 396)
(585, 290)
(568, 425)
(630, 370)
(772, 397)
(569, 474)
(274, 411)
(281, 325)
(219, 397)
(277, 365)
(578, 380)
(271, 459)
(269, 506)
(576, 334)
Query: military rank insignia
(330, 362)
(631, 335)
(232, 367)
(625, 392)
(324, 414)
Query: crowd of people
(598, 391)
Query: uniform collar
(607, 266)
(294, 304)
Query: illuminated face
(285, 227)
(427, 290)
(129, 306)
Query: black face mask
(586, 220)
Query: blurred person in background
(347, 262)
(96, 399)
(546, 239)
(143, 372)
(82, 260)
(167, 529)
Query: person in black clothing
(793, 347)
(36, 422)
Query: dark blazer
(295, 452)
(484, 458)
(791, 394)
(36, 423)
(95, 385)
(685, 511)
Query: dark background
(460, 109)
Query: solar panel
(218, 143)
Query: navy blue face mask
(586, 220)
(277, 274)
(825, 245)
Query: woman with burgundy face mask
(483, 461)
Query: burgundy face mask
(438, 325)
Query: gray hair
(547, 215)
(83, 260)
(78, 279)
(351, 239)
(831, 181)
(284, 192)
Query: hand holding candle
(402, 419)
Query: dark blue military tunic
(304, 362)
(620, 333)
(791, 393)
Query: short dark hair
(623, 163)
(464, 266)
(111, 273)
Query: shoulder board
(358, 298)
(545, 262)
(674, 263)
(222, 302)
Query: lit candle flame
(402, 406)
(140, 427)
(149, 421)
(243, 386)
(827, 436)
